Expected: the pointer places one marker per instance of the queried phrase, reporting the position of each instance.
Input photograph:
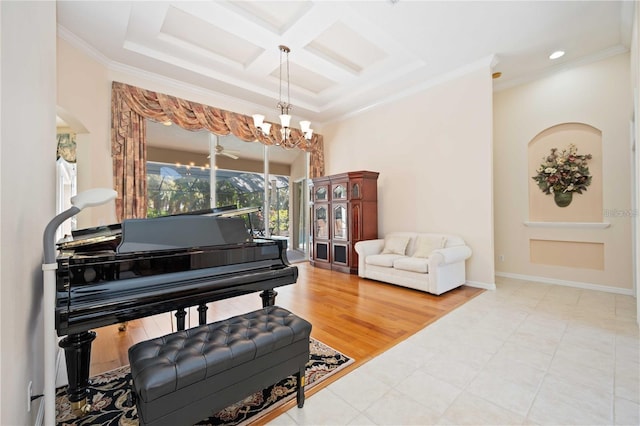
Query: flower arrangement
(563, 172)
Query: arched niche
(585, 207)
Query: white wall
(433, 153)
(635, 78)
(27, 200)
(598, 94)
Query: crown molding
(603, 54)
(487, 62)
(118, 67)
(82, 45)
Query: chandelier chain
(282, 104)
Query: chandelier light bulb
(258, 119)
(285, 120)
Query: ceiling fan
(219, 150)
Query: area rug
(110, 394)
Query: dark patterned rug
(110, 394)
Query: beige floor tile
(588, 357)
(514, 370)
(387, 369)
(581, 374)
(536, 339)
(524, 355)
(436, 394)
(323, 408)
(626, 413)
(359, 389)
(594, 403)
(457, 363)
(515, 397)
(527, 353)
(627, 382)
(395, 408)
(469, 409)
(549, 410)
(362, 420)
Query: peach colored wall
(598, 94)
(84, 95)
(433, 153)
(572, 254)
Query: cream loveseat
(429, 262)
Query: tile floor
(525, 354)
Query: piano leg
(268, 297)
(77, 352)
(202, 314)
(180, 314)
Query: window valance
(131, 105)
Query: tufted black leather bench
(185, 377)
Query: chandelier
(286, 136)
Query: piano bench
(187, 376)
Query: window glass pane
(174, 189)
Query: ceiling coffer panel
(274, 16)
(196, 32)
(354, 56)
(304, 78)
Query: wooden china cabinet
(344, 208)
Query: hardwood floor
(358, 317)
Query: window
(174, 189)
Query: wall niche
(585, 207)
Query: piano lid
(110, 237)
(181, 232)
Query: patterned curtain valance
(67, 147)
(131, 105)
(194, 116)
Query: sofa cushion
(385, 260)
(395, 245)
(425, 244)
(412, 264)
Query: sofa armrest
(445, 256)
(367, 247)
(364, 249)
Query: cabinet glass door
(321, 194)
(339, 192)
(320, 222)
(340, 221)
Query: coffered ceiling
(345, 56)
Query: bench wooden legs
(300, 379)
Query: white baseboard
(567, 283)
(478, 284)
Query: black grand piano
(142, 267)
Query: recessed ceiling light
(557, 54)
